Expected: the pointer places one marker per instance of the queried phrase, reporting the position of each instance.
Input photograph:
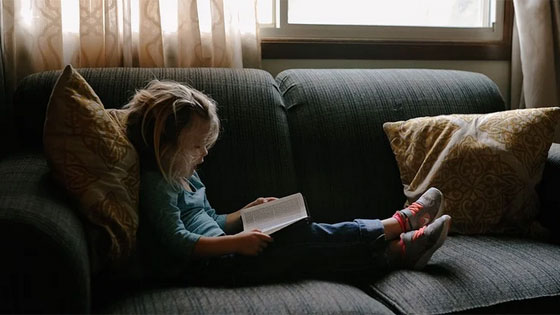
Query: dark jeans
(341, 251)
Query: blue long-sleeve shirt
(172, 221)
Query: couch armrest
(45, 262)
(549, 191)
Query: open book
(274, 215)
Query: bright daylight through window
(382, 19)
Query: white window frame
(285, 31)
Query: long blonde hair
(156, 116)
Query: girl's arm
(161, 216)
(233, 220)
(233, 223)
(246, 243)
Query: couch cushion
(45, 262)
(472, 272)
(549, 216)
(317, 297)
(253, 155)
(344, 163)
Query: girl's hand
(251, 242)
(233, 220)
(259, 201)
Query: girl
(181, 236)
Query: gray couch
(318, 132)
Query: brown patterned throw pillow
(487, 166)
(90, 155)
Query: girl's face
(192, 148)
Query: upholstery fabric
(487, 166)
(470, 272)
(45, 261)
(548, 189)
(538, 49)
(91, 157)
(253, 155)
(343, 160)
(303, 297)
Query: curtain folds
(42, 35)
(536, 54)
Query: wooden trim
(395, 50)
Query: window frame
(384, 49)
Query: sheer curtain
(41, 35)
(535, 64)
(536, 54)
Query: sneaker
(419, 246)
(421, 212)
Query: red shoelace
(415, 207)
(403, 220)
(417, 234)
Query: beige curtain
(536, 54)
(41, 35)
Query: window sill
(396, 50)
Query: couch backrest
(315, 131)
(343, 160)
(253, 155)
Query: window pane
(438, 13)
(265, 11)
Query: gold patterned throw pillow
(486, 165)
(89, 154)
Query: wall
(498, 71)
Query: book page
(274, 215)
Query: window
(446, 13)
(482, 25)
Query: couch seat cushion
(473, 272)
(311, 296)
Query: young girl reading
(181, 236)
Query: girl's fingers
(259, 201)
(265, 237)
(267, 199)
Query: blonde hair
(155, 117)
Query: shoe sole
(423, 260)
(440, 210)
